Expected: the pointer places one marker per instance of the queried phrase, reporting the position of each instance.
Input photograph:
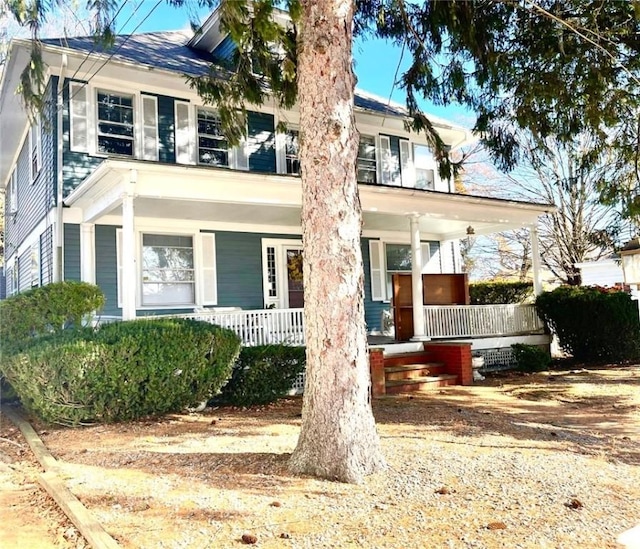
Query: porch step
(403, 359)
(413, 371)
(420, 384)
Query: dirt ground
(545, 460)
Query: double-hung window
(213, 147)
(115, 123)
(424, 167)
(292, 152)
(35, 148)
(366, 162)
(167, 270)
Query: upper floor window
(35, 148)
(13, 192)
(292, 152)
(115, 123)
(213, 147)
(424, 167)
(366, 161)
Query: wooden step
(420, 384)
(403, 359)
(412, 371)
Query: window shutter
(208, 269)
(13, 193)
(408, 173)
(426, 255)
(79, 114)
(378, 283)
(119, 265)
(149, 127)
(384, 167)
(183, 133)
(241, 155)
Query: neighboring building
(130, 184)
(604, 272)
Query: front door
(295, 286)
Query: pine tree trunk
(338, 438)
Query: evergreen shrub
(123, 370)
(495, 293)
(593, 323)
(531, 358)
(263, 374)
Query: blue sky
(376, 60)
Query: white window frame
(432, 166)
(95, 123)
(380, 272)
(13, 192)
(376, 160)
(237, 157)
(281, 298)
(203, 274)
(281, 150)
(35, 149)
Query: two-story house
(126, 181)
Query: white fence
(259, 327)
(448, 321)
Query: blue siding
(262, 142)
(372, 309)
(107, 267)
(166, 128)
(239, 263)
(37, 198)
(225, 49)
(71, 251)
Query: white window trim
(199, 277)
(280, 244)
(281, 151)
(232, 152)
(35, 132)
(13, 192)
(92, 124)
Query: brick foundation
(376, 366)
(456, 358)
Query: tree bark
(338, 439)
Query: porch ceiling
(219, 195)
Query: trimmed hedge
(263, 374)
(494, 293)
(122, 371)
(593, 323)
(45, 310)
(530, 358)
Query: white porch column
(416, 280)
(87, 253)
(535, 260)
(129, 275)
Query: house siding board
(372, 309)
(166, 128)
(224, 50)
(37, 198)
(76, 166)
(71, 251)
(107, 267)
(239, 266)
(262, 142)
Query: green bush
(530, 358)
(263, 374)
(45, 310)
(122, 371)
(494, 293)
(592, 323)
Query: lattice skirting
(497, 359)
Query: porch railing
(259, 327)
(447, 321)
